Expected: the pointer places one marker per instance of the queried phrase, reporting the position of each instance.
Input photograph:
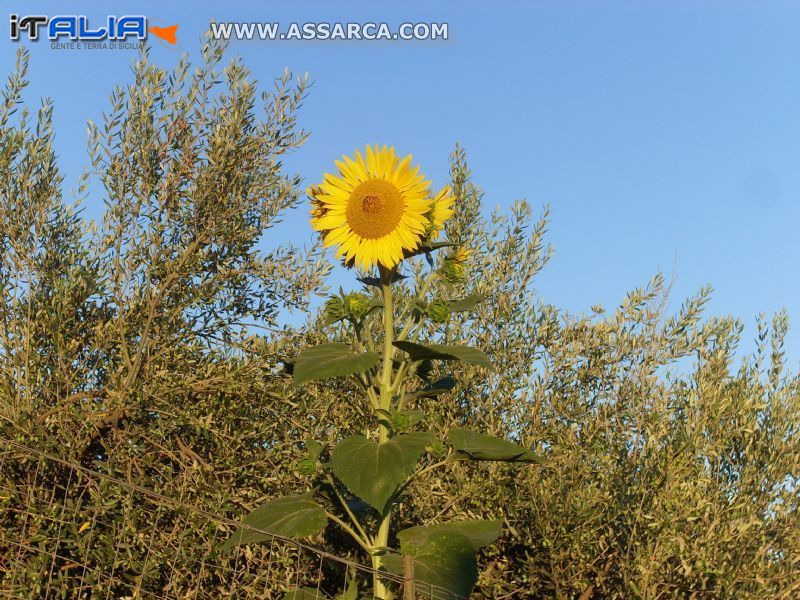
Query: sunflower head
(441, 210)
(374, 209)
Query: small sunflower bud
(400, 422)
(356, 305)
(454, 269)
(307, 465)
(460, 255)
(453, 272)
(438, 311)
(437, 448)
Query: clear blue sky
(664, 135)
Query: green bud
(356, 305)
(400, 422)
(437, 448)
(454, 271)
(307, 465)
(438, 311)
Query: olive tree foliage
(132, 345)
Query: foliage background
(150, 347)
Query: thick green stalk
(381, 540)
(388, 349)
(380, 591)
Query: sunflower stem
(381, 539)
(388, 348)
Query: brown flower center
(374, 209)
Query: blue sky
(663, 135)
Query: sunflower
(441, 211)
(374, 210)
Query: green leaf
(467, 303)
(444, 568)
(314, 448)
(334, 310)
(305, 593)
(479, 533)
(331, 360)
(470, 445)
(373, 471)
(428, 248)
(376, 281)
(350, 592)
(471, 356)
(292, 516)
(440, 386)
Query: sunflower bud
(441, 210)
(356, 305)
(454, 269)
(400, 422)
(437, 448)
(438, 311)
(454, 272)
(307, 465)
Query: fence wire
(70, 531)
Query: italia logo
(78, 28)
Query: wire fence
(71, 531)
